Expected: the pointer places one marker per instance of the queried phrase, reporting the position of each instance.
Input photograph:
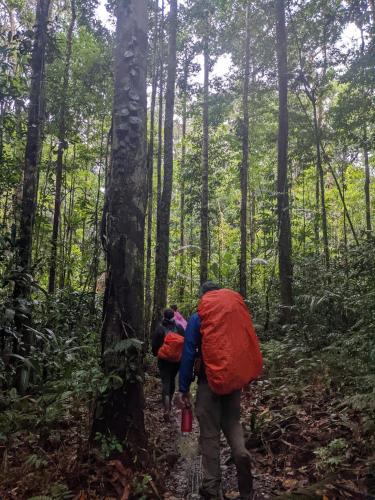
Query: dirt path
(182, 460)
(283, 430)
(304, 443)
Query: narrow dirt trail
(180, 453)
(283, 430)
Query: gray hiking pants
(215, 414)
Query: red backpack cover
(172, 347)
(230, 347)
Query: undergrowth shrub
(332, 337)
(62, 366)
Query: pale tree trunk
(60, 152)
(285, 238)
(321, 183)
(162, 237)
(204, 193)
(367, 185)
(96, 256)
(341, 193)
(252, 234)
(372, 4)
(345, 230)
(245, 159)
(119, 412)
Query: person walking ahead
(221, 334)
(179, 319)
(167, 343)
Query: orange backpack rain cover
(172, 347)
(230, 347)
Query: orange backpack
(230, 347)
(171, 350)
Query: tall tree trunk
(5, 210)
(304, 213)
(95, 259)
(365, 138)
(181, 289)
(160, 117)
(70, 227)
(372, 5)
(317, 214)
(42, 208)
(321, 183)
(345, 230)
(162, 242)
(245, 159)
(252, 234)
(204, 194)
(2, 113)
(119, 412)
(60, 152)
(33, 141)
(30, 181)
(285, 238)
(62, 234)
(150, 183)
(367, 184)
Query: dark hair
(174, 307)
(168, 314)
(208, 286)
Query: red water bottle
(186, 420)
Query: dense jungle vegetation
(144, 151)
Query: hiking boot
(167, 408)
(236, 496)
(209, 496)
(247, 495)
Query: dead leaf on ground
(290, 484)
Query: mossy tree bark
(119, 412)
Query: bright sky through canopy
(350, 36)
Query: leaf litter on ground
(304, 444)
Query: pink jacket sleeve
(180, 319)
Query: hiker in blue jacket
(215, 414)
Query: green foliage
(141, 486)
(127, 366)
(331, 456)
(58, 491)
(36, 461)
(108, 445)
